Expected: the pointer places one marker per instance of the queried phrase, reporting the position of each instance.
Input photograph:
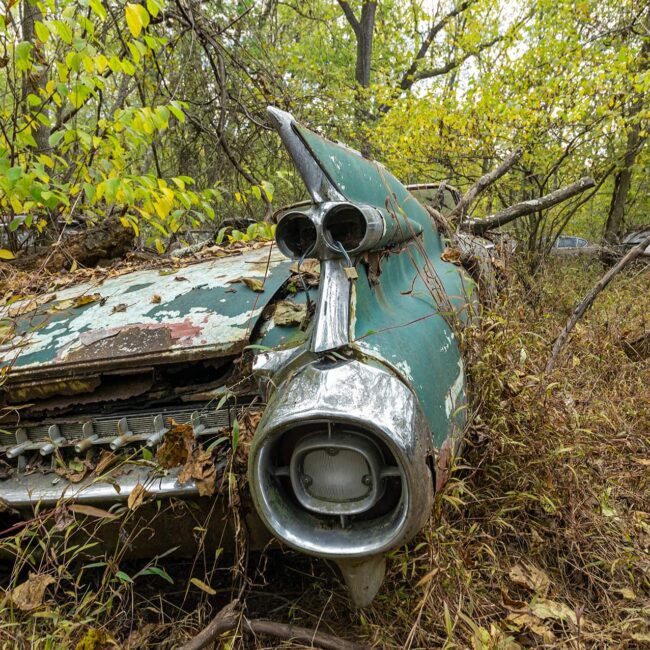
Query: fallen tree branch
(590, 297)
(485, 181)
(479, 226)
(229, 619)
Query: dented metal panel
(202, 310)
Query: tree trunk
(623, 179)
(364, 30)
(35, 80)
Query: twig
(479, 226)
(590, 297)
(485, 181)
(228, 619)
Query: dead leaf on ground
(309, 270)
(511, 603)
(289, 314)
(201, 468)
(526, 575)
(254, 284)
(29, 595)
(627, 593)
(176, 445)
(451, 255)
(75, 472)
(119, 308)
(21, 305)
(551, 609)
(522, 620)
(156, 299)
(136, 497)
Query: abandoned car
(343, 336)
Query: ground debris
(30, 594)
(289, 314)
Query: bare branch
(479, 226)
(588, 300)
(409, 77)
(485, 181)
(228, 619)
(454, 63)
(349, 14)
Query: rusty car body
(361, 390)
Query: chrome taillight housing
(338, 467)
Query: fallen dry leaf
(451, 255)
(255, 284)
(200, 467)
(202, 586)
(91, 511)
(106, 459)
(29, 595)
(551, 609)
(74, 303)
(289, 314)
(156, 299)
(526, 575)
(519, 620)
(176, 445)
(62, 518)
(6, 507)
(136, 497)
(119, 308)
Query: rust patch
(43, 389)
(443, 464)
(145, 338)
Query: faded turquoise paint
(404, 319)
(363, 181)
(399, 321)
(200, 311)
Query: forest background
(154, 112)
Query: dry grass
(541, 539)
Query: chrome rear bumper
(25, 491)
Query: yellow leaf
(202, 586)
(136, 497)
(133, 19)
(6, 255)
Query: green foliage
(156, 113)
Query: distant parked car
(564, 241)
(570, 245)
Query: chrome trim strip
(318, 185)
(22, 491)
(332, 318)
